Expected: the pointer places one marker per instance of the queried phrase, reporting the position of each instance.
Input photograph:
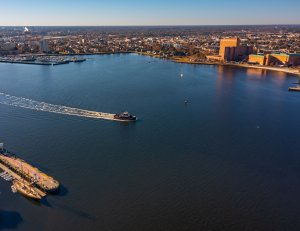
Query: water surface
(227, 160)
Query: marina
(41, 60)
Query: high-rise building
(44, 46)
(232, 50)
(228, 48)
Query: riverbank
(278, 69)
(188, 60)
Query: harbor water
(215, 148)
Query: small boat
(125, 116)
(2, 174)
(25, 189)
(13, 189)
(297, 88)
(9, 178)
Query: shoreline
(175, 60)
(180, 60)
(277, 69)
(55, 63)
(80, 54)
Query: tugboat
(25, 189)
(125, 116)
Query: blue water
(227, 160)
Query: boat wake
(46, 107)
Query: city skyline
(135, 13)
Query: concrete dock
(23, 170)
(17, 177)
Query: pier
(27, 179)
(17, 177)
(25, 171)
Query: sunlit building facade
(232, 50)
(286, 59)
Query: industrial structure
(231, 50)
(275, 59)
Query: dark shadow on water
(131, 123)
(32, 201)
(46, 203)
(74, 211)
(62, 191)
(10, 219)
(42, 202)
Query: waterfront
(226, 160)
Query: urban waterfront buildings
(8, 48)
(232, 50)
(274, 45)
(275, 59)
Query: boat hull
(125, 116)
(25, 190)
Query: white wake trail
(47, 107)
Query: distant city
(277, 46)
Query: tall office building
(44, 46)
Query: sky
(147, 12)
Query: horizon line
(162, 25)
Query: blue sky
(150, 12)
